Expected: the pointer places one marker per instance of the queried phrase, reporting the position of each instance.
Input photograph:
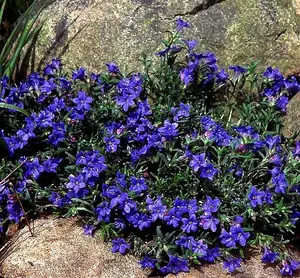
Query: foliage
(21, 35)
(183, 163)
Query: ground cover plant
(181, 164)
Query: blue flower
(232, 264)
(79, 74)
(182, 112)
(148, 262)
(112, 143)
(138, 185)
(289, 267)
(175, 265)
(156, 208)
(239, 235)
(256, 197)
(190, 224)
(34, 168)
(209, 222)
(211, 205)
(282, 103)
(76, 183)
(89, 230)
(269, 256)
(112, 68)
(181, 24)
(169, 130)
(119, 245)
(186, 76)
(103, 211)
(212, 255)
(83, 101)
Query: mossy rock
(91, 32)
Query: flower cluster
(138, 157)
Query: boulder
(90, 33)
(253, 268)
(59, 249)
(291, 120)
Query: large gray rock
(291, 120)
(91, 32)
(59, 249)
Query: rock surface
(252, 269)
(91, 32)
(292, 118)
(60, 250)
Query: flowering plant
(166, 162)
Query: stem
(23, 210)
(14, 170)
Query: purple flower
(89, 230)
(57, 199)
(103, 211)
(190, 224)
(296, 151)
(209, 222)
(76, 183)
(148, 262)
(211, 205)
(83, 101)
(119, 245)
(212, 255)
(289, 267)
(156, 208)
(186, 76)
(181, 25)
(79, 74)
(280, 182)
(272, 141)
(208, 172)
(125, 101)
(197, 162)
(112, 68)
(58, 134)
(169, 130)
(269, 256)
(182, 112)
(34, 168)
(227, 239)
(14, 211)
(138, 185)
(256, 197)
(112, 143)
(44, 119)
(222, 76)
(190, 44)
(239, 235)
(51, 164)
(238, 70)
(282, 103)
(175, 265)
(232, 264)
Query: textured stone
(253, 268)
(91, 32)
(291, 120)
(59, 249)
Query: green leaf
(13, 107)
(2, 10)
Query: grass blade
(23, 40)
(2, 10)
(13, 107)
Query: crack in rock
(206, 4)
